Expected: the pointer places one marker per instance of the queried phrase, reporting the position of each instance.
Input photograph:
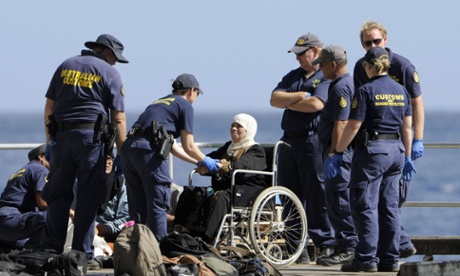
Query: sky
(236, 49)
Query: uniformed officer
(380, 110)
(22, 209)
(84, 92)
(334, 117)
(146, 170)
(373, 34)
(302, 94)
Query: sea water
(437, 178)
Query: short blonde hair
(369, 26)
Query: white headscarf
(250, 124)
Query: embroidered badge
(416, 77)
(315, 82)
(122, 91)
(342, 102)
(354, 104)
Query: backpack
(219, 266)
(136, 252)
(74, 263)
(176, 244)
(187, 265)
(37, 262)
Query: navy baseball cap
(188, 81)
(331, 53)
(33, 154)
(375, 53)
(110, 42)
(305, 42)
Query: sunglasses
(374, 41)
(302, 53)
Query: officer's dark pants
(338, 205)
(147, 184)
(75, 155)
(21, 229)
(374, 193)
(300, 169)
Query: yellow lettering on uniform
(166, 101)
(19, 173)
(77, 78)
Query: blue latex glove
(48, 152)
(210, 164)
(408, 170)
(417, 149)
(332, 166)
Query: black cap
(188, 81)
(33, 154)
(375, 53)
(110, 42)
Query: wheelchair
(273, 226)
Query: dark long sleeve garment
(252, 159)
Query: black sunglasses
(301, 53)
(374, 41)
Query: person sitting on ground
(22, 209)
(110, 223)
(176, 191)
(242, 152)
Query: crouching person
(22, 210)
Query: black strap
(385, 136)
(138, 131)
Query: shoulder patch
(122, 91)
(342, 102)
(315, 82)
(416, 79)
(355, 103)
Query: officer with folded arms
(144, 153)
(380, 122)
(84, 92)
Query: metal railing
(444, 145)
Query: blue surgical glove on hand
(332, 165)
(210, 164)
(408, 170)
(417, 149)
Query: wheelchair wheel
(278, 226)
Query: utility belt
(75, 125)
(299, 134)
(101, 128)
(160, 139)
(364, 136)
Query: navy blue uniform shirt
(337, 107)
(296, 81)
(83, 86)
(173, 111)
(401, 70)
(381, 104)
(23, 185)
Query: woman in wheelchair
(242, 152)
